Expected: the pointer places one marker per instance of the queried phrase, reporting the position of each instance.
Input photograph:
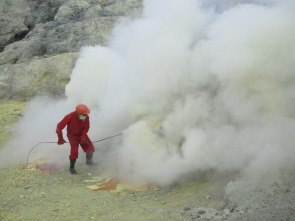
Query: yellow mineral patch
(90, 181)
(113, 184)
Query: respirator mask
(83, 116)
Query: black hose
(67, 142)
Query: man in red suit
(77, 123)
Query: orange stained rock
(114, 183)
(109, 185)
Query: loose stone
(202, 211)
(186, 208)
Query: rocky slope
(33, 31)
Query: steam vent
(147, 110)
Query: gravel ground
(30, 194)
(34, 195)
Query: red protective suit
(76, 131)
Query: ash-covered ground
(28, 193)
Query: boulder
(43, 76)
(13, 14)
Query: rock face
(47, 76)
(37, 29)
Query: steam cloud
(194, 85)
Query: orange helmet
(82, 109)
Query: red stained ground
(45, 168)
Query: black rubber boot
(72, 166)
(89, 157)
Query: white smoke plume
(193, 85)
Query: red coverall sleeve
(85, 129)
(62, 124)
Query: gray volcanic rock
(56, 27)
(46, 77)
(12, 21)
(268, 198)
(36, 29)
